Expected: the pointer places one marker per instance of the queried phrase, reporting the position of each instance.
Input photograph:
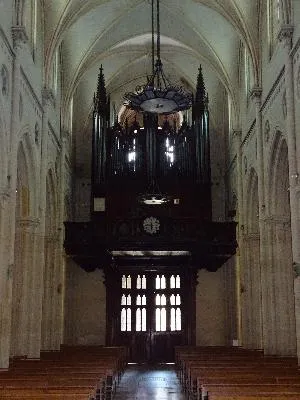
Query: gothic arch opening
(280, 252)
(20, 295)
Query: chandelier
(153, 196)
(158, 95)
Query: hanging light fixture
(158, 95)
(153, 196)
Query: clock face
(151, 225)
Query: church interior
(149, 185)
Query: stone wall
(210, 309)
(85, 306)
(34, 178)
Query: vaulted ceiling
(117, 34)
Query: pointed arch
(278, 185)
(27, 170)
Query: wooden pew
(251, 389)
(45, 396)
(88, 372)
(200, 368)
(270, 396)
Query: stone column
(5, 279)
(256, 94)
(251, 293)
(286, 35)
(284, 293)
(54, 253)
(245, 291)
(61, 261)
(35, 286)
(237, 136)
(37, 281)
(268, 286)
(48, 98)
(48, 324)
(22, 275)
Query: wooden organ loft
(151, 219)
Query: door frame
(114, 336)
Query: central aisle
(148, 382)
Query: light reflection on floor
(147, 382)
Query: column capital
(285, 34)
(28, 223)
(237, 133)
(4, 196)
(19, 36)
(237, 137)
(65, 136)
(48, 97)
(256, 93)
(251, 237)
(277, 220)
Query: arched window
(274, 23)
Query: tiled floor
(146, 382)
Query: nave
(149, 382)
(199, 373)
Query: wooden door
(149, 317)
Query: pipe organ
(174, 160)
(151, 190)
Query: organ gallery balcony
(151, 239)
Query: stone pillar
(268, 286)
(60, 265)
(285, 35)
(244, 294)
(283, 283)
(237, 136)
(251, 293)
(53, 265)
(262, 310)
(48, 325)
(47, 97)
(35, 286)
(22, 286)
(5, 279)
